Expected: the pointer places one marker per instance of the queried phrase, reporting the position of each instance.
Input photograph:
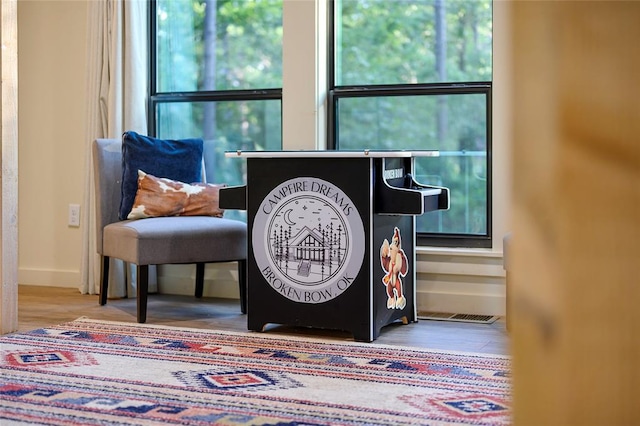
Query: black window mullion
(152, 69)
(219, 96)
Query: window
(416, 75)
(216, 73)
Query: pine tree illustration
(322, 260)
(339, 242)
(331, 242)
(287, 238)
(276, 244)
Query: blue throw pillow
(179, 160)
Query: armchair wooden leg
(242, 284)
(104, 280)
(199, 279)
(142, 290)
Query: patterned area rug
(94, 372)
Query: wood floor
(43, 306)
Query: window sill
(448, 251)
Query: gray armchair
(158, 240)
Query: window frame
(334, 94)
(337, 92)
(156, 98)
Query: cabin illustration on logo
(321, 250)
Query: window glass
(218, 45)
(416, 75)
(418, 123)
(412, 41)
(249, 125)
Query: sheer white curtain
(116, 101)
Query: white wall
(51, 129)
(51, 107)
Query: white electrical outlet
(74, 214)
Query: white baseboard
(480, 304)
(446, 281)
(49, 278)
(461, 281)
(220, 280)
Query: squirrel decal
(395, 265)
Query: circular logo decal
(308, 240)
